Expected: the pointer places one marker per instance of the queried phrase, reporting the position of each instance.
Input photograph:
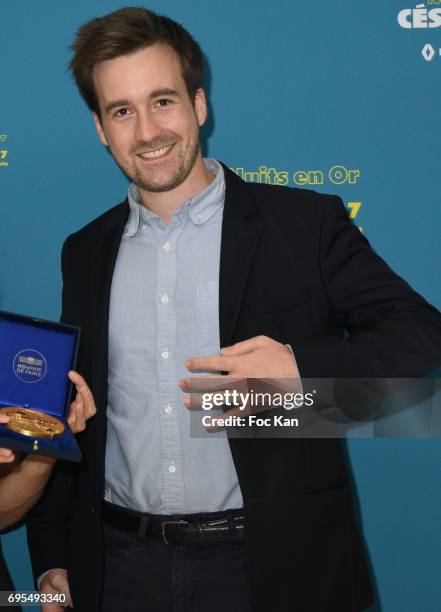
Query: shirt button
(199, 219)
(172, 468)
(164, 298)
(166, 246)
(168, 409)
(164, 353)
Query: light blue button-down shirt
(163, 310)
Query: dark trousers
(147, 575)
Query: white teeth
(155, 153)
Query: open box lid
(35, 357)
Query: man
(195, 260)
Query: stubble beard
(184, 164)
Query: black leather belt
(188, 529)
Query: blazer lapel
(102, 267)
(241, 228)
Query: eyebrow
(165, 91)
(116, 103)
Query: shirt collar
(200, 208)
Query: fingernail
(187, 363)
(187, 401)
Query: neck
(165, 204)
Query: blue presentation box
(35, 358)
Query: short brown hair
(123, 32)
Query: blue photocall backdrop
(342, 97)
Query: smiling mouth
(156, 152)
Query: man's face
(147, 118)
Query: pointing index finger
(213, 363)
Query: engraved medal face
(32, 423)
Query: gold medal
(32, 423)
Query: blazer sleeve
(391, 330)
(48, 522)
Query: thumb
(60, 584)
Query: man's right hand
(55, 582)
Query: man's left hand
(258, 357)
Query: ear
(200, 106)
(99, 129)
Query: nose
(147, 128)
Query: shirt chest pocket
(207, 306)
